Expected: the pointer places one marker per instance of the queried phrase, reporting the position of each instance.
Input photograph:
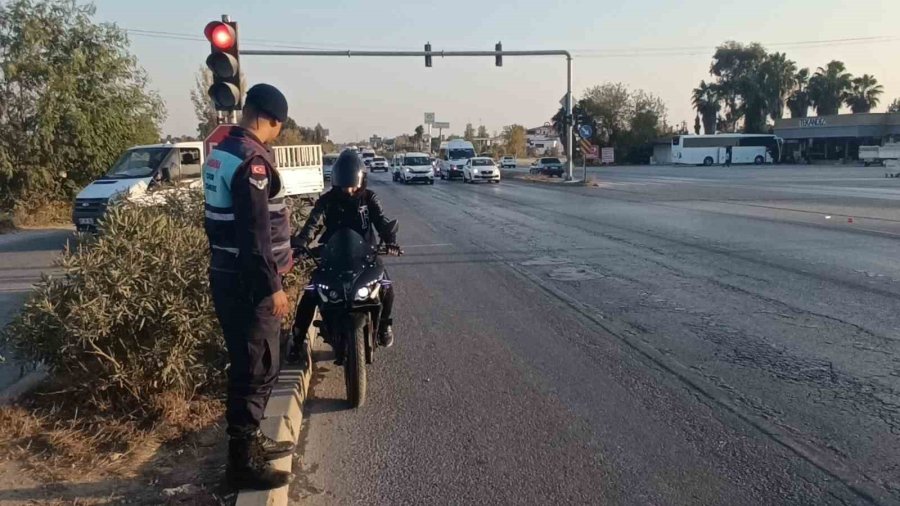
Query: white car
(508, 162)
(378, 163)
(481, 168)
(415, 167)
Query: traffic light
(428, 55)
(498, 60)
(223, 61)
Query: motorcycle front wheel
(355, 364)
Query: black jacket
(335, 210)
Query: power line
(582, 53)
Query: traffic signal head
(223, 61)
(498, 59)
(428, 56)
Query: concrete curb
(283, 418)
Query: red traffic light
(220, 35)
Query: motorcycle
(348, 280)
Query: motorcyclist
(348, 204)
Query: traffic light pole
(448, 54)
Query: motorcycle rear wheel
(355, 366)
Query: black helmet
(266, 99)
(348, 171)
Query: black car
(549, 166)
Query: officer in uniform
(249, 237)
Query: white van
(415, 167)
(137, 170)
(453, 157)
(140, 170)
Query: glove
(393, 249)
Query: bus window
(676, 140)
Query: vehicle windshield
(462, 153)
(345, 251)
(416, 160)
(141, 162)
(368, 155)
(379, 159)
(550, 160)
(482, 162)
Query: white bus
(716, 149)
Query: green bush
(130, 321)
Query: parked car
(481, 168)
(547, 167)
(378, 163)
(415, 168)
(508, 162)
(328, 164)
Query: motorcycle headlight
(362, 293)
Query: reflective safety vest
(218, 177)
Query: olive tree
(72, 97)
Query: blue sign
(585, 131)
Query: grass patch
(42, 213)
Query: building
(836, 137)
(542, 140)
(662, 151)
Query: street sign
(217, 135)
(607, 155)
(429, 118)
(564, 100)
(585, 131)
(589, 151)
(441, 125)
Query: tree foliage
(828, 88)
(864, 93)
(514, 140)
(203, 105)
(72, 98)
(895, 106)
(752, 85)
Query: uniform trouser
(252, 336)
(306, 309)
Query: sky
(660, 46)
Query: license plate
(85, 221)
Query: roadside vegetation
(72, 98)
(751, 86)
(128, 335)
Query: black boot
(386, 334)
(272, 449)
(248, 469)
(298, 356)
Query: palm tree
(829, 87)
(863, 96)
(707, 101)
(799, 101)
(780, 77)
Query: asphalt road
(24, 256)
(666, 336)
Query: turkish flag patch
(259, 170)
